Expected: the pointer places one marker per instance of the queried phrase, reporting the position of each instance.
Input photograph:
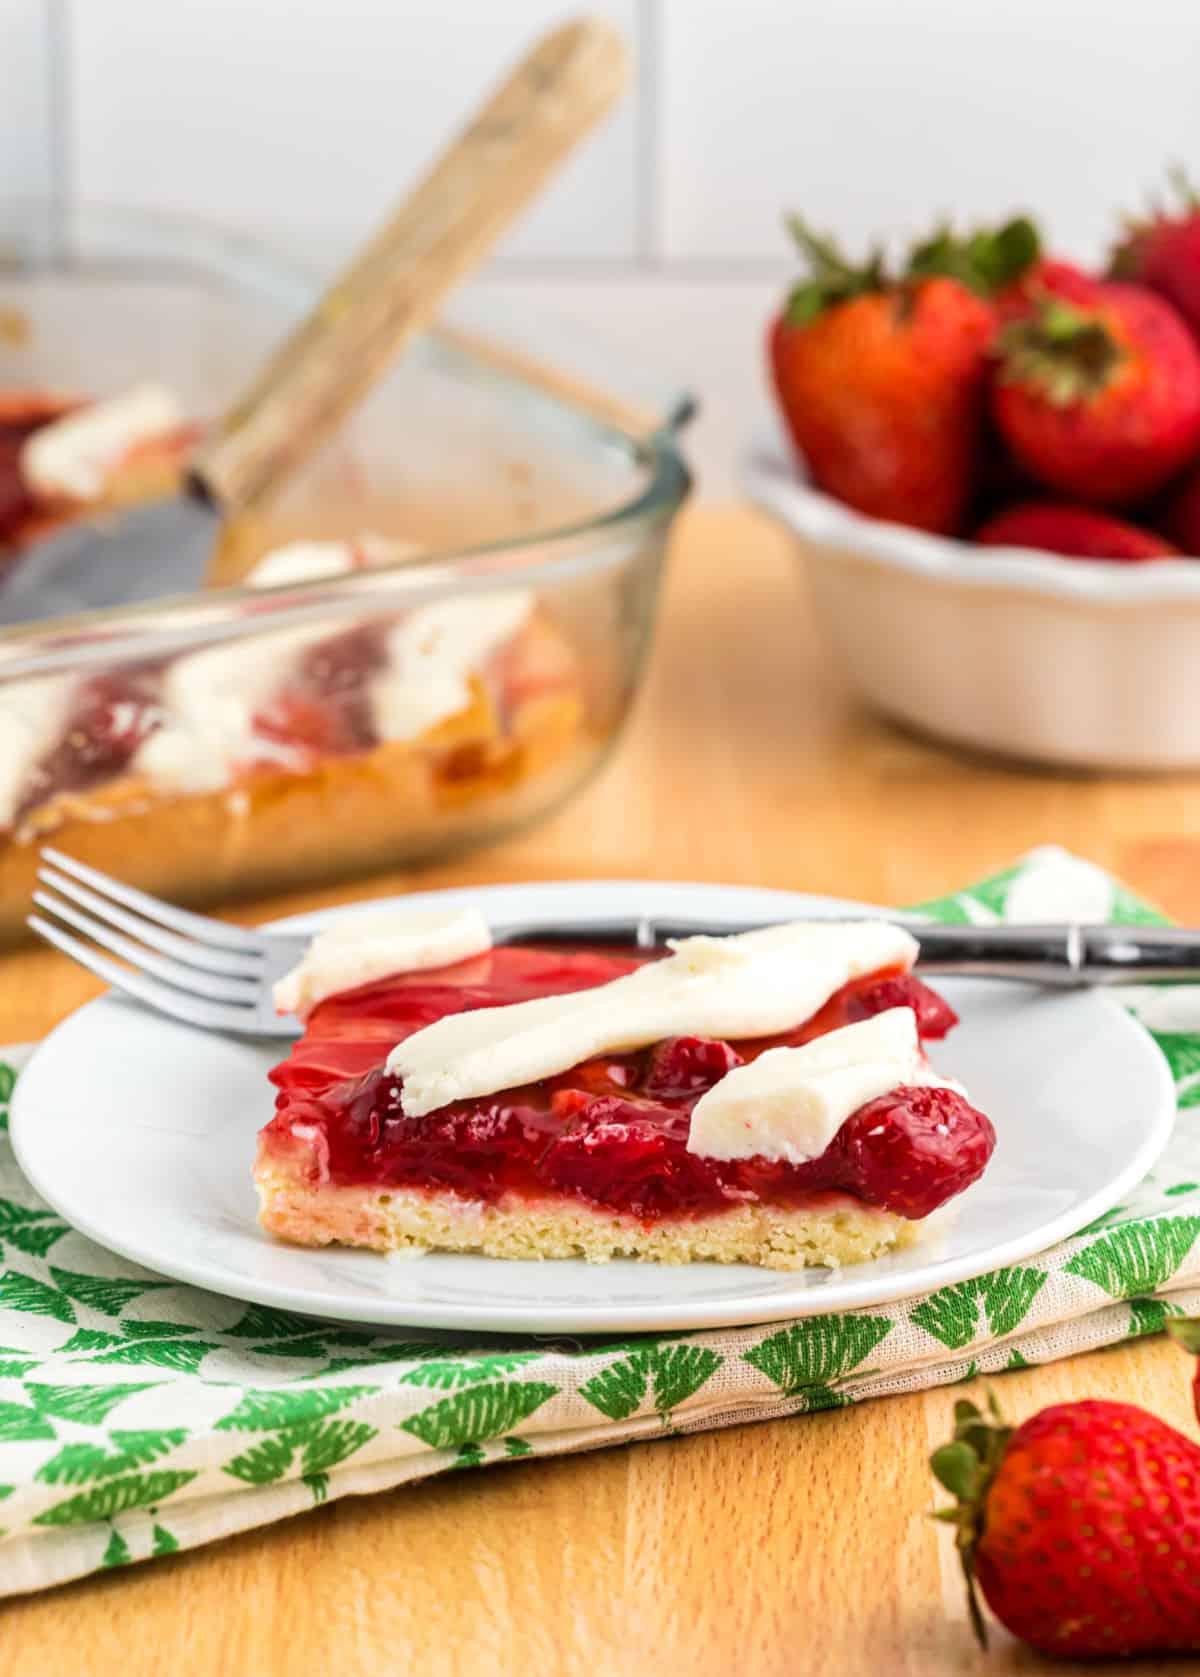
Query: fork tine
(213, 932)
(196, 983)
(226, 961)
(193, 1010)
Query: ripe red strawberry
(882, 385)
(1179, 516)
(935, 1016)
(1081, 1527)
(1047, 275)
(1077, 532)
(1164, 252)
(912, 1148)
(1100, 399)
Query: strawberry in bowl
(990, 471)
(882, 382)
(1099, 395)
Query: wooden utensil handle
(469, 197)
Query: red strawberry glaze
(325, 704)
(613, 1131)
(110, 716)
(324, 708)
(21, 414)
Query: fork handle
(1063, 955)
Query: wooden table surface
(793, 1547)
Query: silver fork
(220, 977)
(186, 965)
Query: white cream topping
(791, 1102)
(32, 714)
(368, 946)
(211, 698)
(750, 985)
(72, 457)
(298, 562)
(432, 652)
(301, 562)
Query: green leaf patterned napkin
(138, 1418)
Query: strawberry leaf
(1185, 1330)
(831, 279)
(986, 260)
(956, 1466)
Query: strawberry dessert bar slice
(64, 458)
(761, 1098)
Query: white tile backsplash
(309, 117)
(306, 118)
(700, 335)
(874, 116)
(26, 131)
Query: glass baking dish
(466, 676)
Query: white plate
(141, 1132)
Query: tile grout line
(647, 176)
(685, 270)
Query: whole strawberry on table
(988, 391)
(1081, 1527)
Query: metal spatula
(390, 291)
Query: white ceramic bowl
(1064, 661)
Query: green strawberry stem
(1182, 186)
(986, 260)
(966, 1467)
(831, 279)
(1186, 1330)
(1065, 352)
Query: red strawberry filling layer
(110, 717)
(21, 414)
(613, 1131)
(322, 708)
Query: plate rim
(847, 1293)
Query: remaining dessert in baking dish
(762, 1098)
(285, 744)
(63, 458)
